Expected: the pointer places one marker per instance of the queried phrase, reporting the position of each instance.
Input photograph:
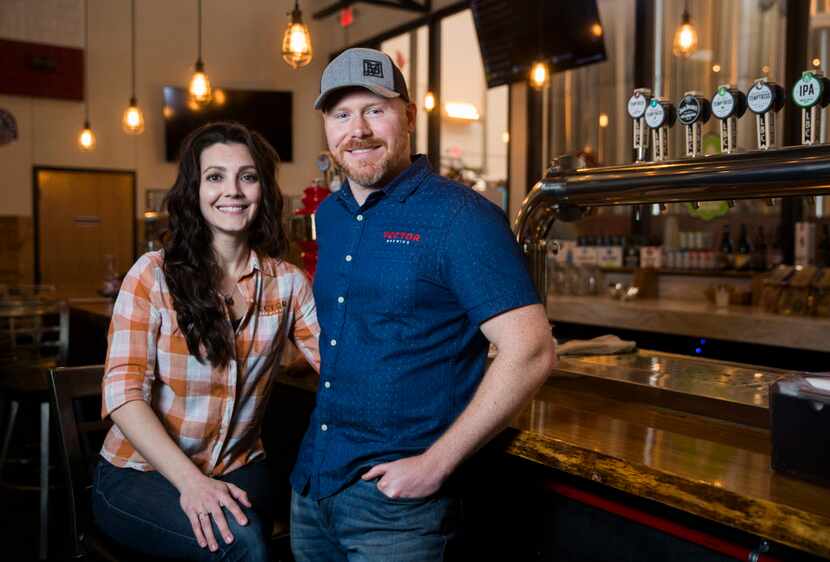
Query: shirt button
(349, 257)
(333, 342)
(327, 384)
(359, 218)
(341, 300)
(324, 427)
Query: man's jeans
(361, 524)
(140, 510)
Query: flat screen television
(267, 112)
(513, 34)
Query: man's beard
(374, 173)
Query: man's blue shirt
(403, 283)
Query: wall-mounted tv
(266, 112)
(512, 34)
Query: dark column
(434, 86)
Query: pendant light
(133, 120)
(685, 38)
(296, 41)
(200, 89)
(539, 77)
(86, 138)
(429, 101)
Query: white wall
(241, 49)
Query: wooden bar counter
(634, 423)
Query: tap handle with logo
(693, 112)
(811, 93)
(765, 98)
(728, 105)
(660, 116)
(637, 105)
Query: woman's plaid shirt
(213, 414)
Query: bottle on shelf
(631, 257)
(758, 256)
(727, 254)
(774, 254)
(742, 252)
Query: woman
(196, 332)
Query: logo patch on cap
(372, 68)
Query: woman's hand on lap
(204, 499)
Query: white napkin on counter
(603, 345)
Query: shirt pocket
(394, 274)
(383, 294)
(267, 328)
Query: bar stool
(34, 338)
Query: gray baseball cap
(365, 68)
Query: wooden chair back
(76, 397)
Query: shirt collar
(266, 266)
(401, 187)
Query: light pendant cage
(133, 119)
(685, 37)
(86, 138)
(200, 88)
(539, 75)
(296, 41)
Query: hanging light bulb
(685, 38)
(539, 75)
(133, 119)
(429, 101)
(200, 89)
(296, 42)
(86, 139)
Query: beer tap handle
(765, 99)
(693, 111)
(728, 104)
(660, 116)
(811, 93)
(636, 107)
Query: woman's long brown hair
(190, 266)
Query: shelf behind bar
(690, 272)
(696, 319)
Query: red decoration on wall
(314, 195)
(43, 71)
(346, 17)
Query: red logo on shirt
(401, 237)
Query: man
(416, 274)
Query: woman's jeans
(140, 510)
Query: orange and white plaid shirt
(212, 413)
